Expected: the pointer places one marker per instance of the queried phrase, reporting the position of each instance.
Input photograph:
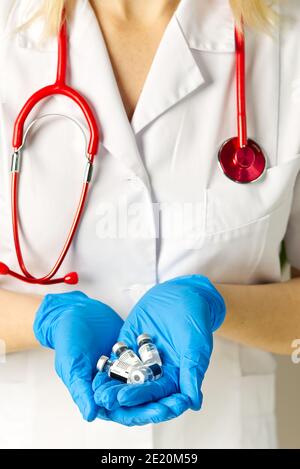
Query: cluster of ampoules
(129, 367)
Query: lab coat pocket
(232, 205)
(258, 421)
(257, 383)
(232, 255)
(239, 219)
(258, 394)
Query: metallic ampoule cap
(102, 362)
(143, 337)
(139, 376)
(118, 346)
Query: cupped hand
(180, 315)
(80, 329)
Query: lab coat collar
(173, 75)
(197, 24)
(207, 25)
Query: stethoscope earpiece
(71, 278)
(4, 269)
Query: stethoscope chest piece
(242, 164)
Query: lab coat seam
(212, 51)
(3, 75)
(279, 94)
(239, 227)
(12, 11)
(152, 220)
(178, 140)
(255, 220)
(9, 33)
(204, 228)
(263, 242)
(182, 31)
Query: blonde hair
(257, 14)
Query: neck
(147, 10)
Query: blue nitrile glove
(180, 315)
(80, 329)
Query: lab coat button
(133, 179)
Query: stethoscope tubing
(19, 139)
(241, 87)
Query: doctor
(159, 76)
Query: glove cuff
(45, 318)
(204, 287)
(215, 301)
(49, 312)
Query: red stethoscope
(240, 158)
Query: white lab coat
(166, 155)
